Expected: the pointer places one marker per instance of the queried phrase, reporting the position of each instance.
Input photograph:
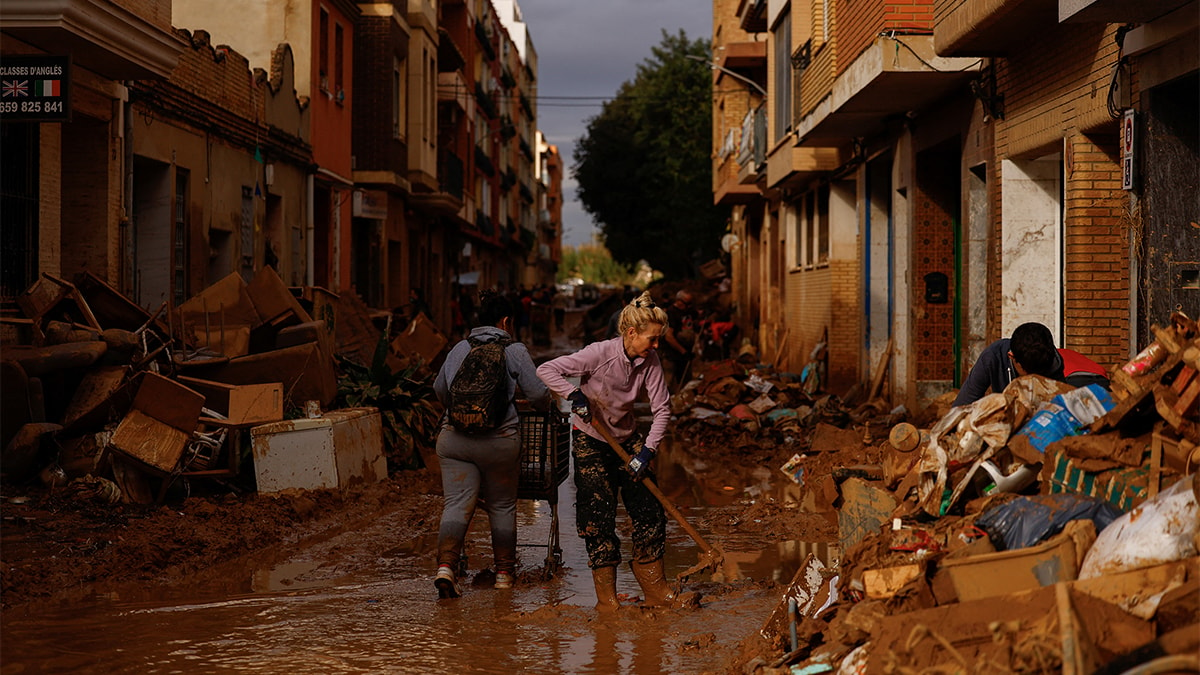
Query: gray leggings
(475, 467)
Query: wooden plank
(1156, 446)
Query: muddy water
(362, 602)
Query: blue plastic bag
(1027, 521)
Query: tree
(593, 264)
(644, 165)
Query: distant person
(1030, 351)
(558, 304)
(680, 337)
(614, 320)
(480, 457)
(417, 304)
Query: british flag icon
(15, 88)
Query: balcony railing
(484, 223)
(486, 101)
(450, 175)
(484, 162)
(485, 40)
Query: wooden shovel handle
(667, 504)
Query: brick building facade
(345, 144)
(934, 173)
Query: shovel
(710, 556)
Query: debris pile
(119, 403)
(1040, 529)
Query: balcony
(752, 15)
(893, 77)
(450, 54)
(483, 162)
(100, 36)
(450, 175)
(744, 56)
(1116, 11)
(484, 224)
(727, 188)
(486, 102)
(453, 90)
(483, 33)
(988, 27)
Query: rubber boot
(605, 579)
(653, 580)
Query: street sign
(1127, 152)
(35, 88)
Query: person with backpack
(479, 446)
(613, 374)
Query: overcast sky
(588, 48)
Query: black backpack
(479, 392)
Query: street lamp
(728, 72)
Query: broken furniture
(158, 428)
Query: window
(812, 241)
(821, 243)
(338, 61)
(247, 231)
(323, 52)
(397, 98)
(430, 97)
(783, 75)
(810, 216)
(179, 266)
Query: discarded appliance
(338, 449)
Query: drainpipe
(309, 233)
(125, 262)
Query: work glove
(640, 462)
(580, 405)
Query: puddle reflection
(364, 602)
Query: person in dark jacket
(1030, 351)
(484, 465)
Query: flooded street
(360, 601)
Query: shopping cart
(545, 461)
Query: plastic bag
(1158, 531)
(1027, 521)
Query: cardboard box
(335, 450)
(992, 574)
(1123, 488)
(420, 340)
(241, 403)
(885, 582)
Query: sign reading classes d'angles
(35, 88)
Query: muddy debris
(1002, 535)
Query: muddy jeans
(472, 468)
(599, 476)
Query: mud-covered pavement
(341, 582)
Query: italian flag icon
(47, 88)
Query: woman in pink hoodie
(612, 375)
